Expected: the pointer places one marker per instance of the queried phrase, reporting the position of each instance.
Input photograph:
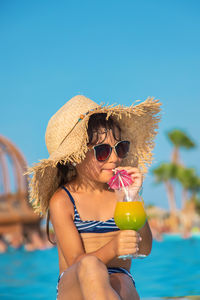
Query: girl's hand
(126, 242)
(136, 177)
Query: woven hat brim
(139, 124)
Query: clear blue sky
(110, 51)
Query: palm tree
(190, 182)
(169, 172)
(166, 173)
(180, 140)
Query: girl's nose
(113, 156)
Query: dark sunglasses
(103, 151)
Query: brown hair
(95, 122)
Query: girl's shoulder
(61, 200)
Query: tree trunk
(171, 196)
(175, 158)
(184, 197)
(175, 155)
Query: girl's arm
(67, 236)
(69, 240)
(146, 244)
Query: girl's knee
(91, 261)
(90, 266)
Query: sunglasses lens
(122, 148)
(102, 152)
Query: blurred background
(112, 52)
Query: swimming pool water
(172, 269)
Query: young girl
(87, 142)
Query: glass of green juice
(130, 215)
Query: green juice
(130, 215)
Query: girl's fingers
(132, 241)
(134, 172)
(127, 236)
(132, 233)
(130, 250)
(133, 169)
(136, 176)
(128, 169)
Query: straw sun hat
(66, 140)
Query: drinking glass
(130, 214)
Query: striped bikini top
(91, 226)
